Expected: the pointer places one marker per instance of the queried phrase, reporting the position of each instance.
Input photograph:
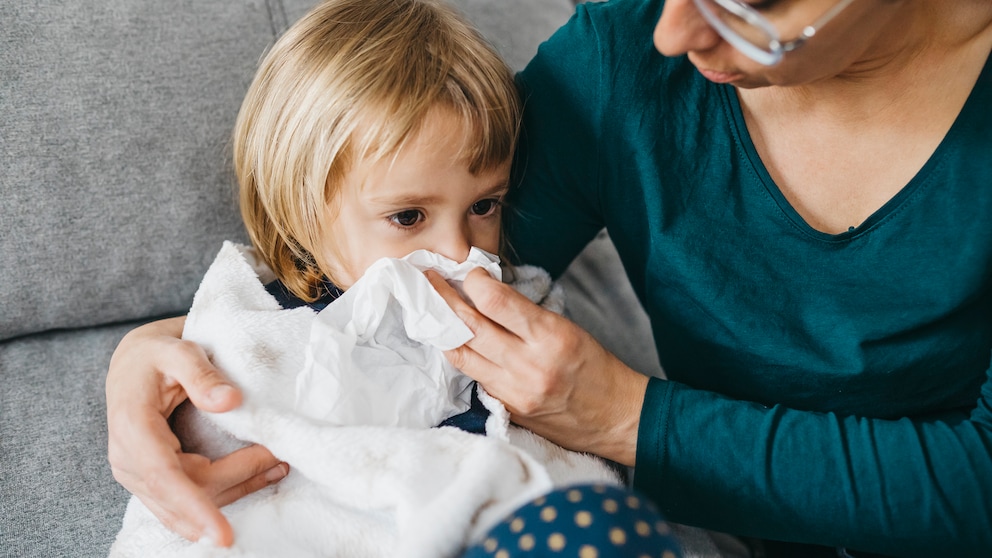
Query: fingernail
(219, 393)
(276, 473)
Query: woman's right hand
(151, 372)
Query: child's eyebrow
(406, 199)
(497, 189)
(500, 188)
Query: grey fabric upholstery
(115, 195)
(57, 496)
(600, 298)
(116, 117)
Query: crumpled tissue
(375, 355)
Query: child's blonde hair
(349, 83)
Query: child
(372, 130)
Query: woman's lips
(720, 77)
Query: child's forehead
(429, 168)
(383, 133)
(441, 136)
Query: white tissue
(375, 355)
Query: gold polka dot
(633, 502)
(617, 536)
(610, 505)
(642, 528)
(502, 554)
(556, 541)
(549, 514)
(517, 525)
(644, 556)
(574, 496)
(540, 501)
(583, 519)
(526, 542)
(490, 545)
(588, 551)
(599, 488)
(662, 528)
(668, 554)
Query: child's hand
(151, 373)
(553, 377)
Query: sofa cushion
(57, 494)
(115, 186)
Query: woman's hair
(347, 84)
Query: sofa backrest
(115, 188)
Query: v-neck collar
(979, 99)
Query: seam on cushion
(278, 22)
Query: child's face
(423, 198)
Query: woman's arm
(912, 486)
(151, 372)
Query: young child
(374, 142)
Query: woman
(801, 204)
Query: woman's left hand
(552, 376)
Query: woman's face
(423, 198)
(857, 39)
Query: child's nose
(454, 244)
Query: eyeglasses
(751, 33)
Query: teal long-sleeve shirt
(830, 389)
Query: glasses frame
(776, 48)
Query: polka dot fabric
(588, 521)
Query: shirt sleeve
(911, 487)
(554, 210)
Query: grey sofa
(115, 194)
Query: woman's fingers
(188, 365)
(551, 375)
(150, 374)
(244, 471)
(184, 506)
(502, 304)
(467, 358)
(145, 458)
(509, 354)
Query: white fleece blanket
(369, 477)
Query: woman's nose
(681, 29)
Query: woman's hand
(553, 377)
(151, 372)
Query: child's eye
(407, 218)
(485, 207)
